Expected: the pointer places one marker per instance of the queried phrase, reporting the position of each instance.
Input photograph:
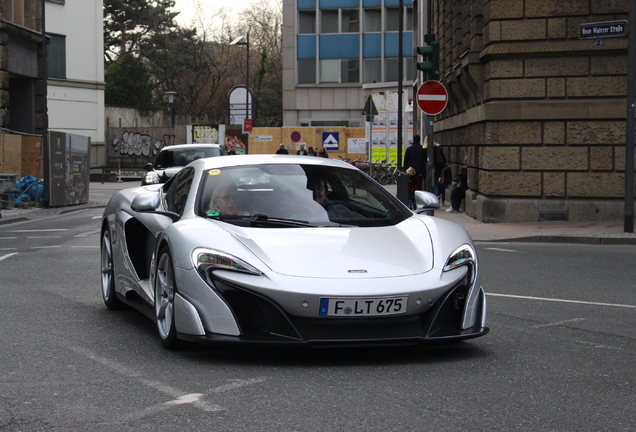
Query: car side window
(177, 195)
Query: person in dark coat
(282, 150)
(459, 193)
(413, 164)
(302, 150)
(440, 163)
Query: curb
(563, 239)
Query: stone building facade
(539, 112)
(20, 65)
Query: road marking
(88, 233)
(562, 300)
(237, 383)
(39, 230)
(185, 399)
(91, 247)
(97, 217)
(43, 237)
(501, 249)
(8, 238)
(46, 247)
(178, 397)
(558, 323)
(7, 256)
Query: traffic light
(430, 57)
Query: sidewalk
(590, 232)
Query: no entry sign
(432, 97)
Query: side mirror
(149, 203)
(425, 201)
(149, 167)
(145, 202)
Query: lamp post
(170, 95)
(237, 41)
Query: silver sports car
(288, 249)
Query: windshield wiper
(260, 219)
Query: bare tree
(264, 21)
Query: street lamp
(170, 95)
(237, 41)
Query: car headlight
(206, 260)
(151, 178)
(462, 256)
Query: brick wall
(539, 113)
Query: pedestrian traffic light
(430, 57)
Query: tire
(108, 274)
(165, 291)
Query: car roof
(190, 146)
(261, 159)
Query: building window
(372, 71)
(391, 68)
(408, 68)
(340, 71)
(350, 21)
(57, 56)
(372, 20)
(350, 71)
(339, 21)
(306, 21)
(329, 70)
(307, 71)
(329, 21)
(392, 17)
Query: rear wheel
(165, 291)
(108, 274)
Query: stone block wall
(539, 113)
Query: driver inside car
(335, 209)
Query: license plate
(363, 306)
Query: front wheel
(108, 273)
(165, 290)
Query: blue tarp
(30, 187)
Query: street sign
(295, 136)
(247, 125)
(370, 109)
(432, 97)
(605, 29)
(237, 109)
(330, 140)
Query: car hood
(339, 252)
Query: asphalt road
(560, 355)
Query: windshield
(297, 195)
(168, 158)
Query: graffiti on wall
(138, 144)
(205, 134)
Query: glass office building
(337, 52)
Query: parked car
(172, 158)
(291, 250)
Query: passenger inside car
(225, 200)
